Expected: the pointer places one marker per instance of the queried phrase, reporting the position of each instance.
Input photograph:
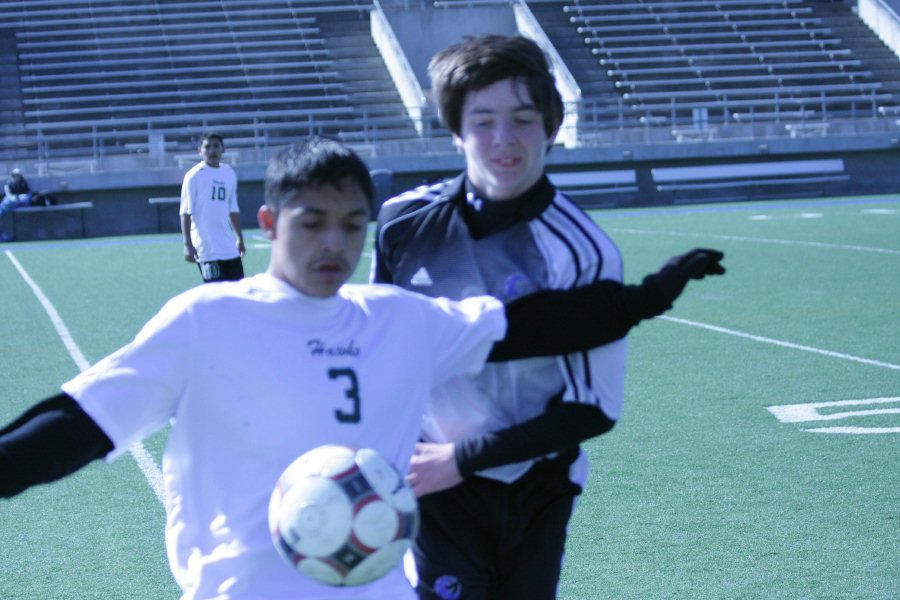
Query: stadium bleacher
(665, 59)
(89, 87)
(105, 71)
(114, 71)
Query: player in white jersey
(256, 372)
(501, 469)
(210, 217)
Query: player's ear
(266, 218)
(457, 143)
(551, 139)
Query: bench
(694, 134)
(807, 129)
(668, 179)
(589, 183)
(39, 226)
(164, 204)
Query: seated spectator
(16, 193)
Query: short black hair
(314, 162)
(211, 135)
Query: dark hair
(313, 163)
(478, 62)
(211, 135)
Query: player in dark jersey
(500, 465)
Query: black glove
(698, 263)
(678, 270)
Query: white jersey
(209, 195)
(253, 373)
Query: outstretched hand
(699, 262)
(678, 270)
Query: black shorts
(487, 540)
(222, 270)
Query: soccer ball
(342, 516)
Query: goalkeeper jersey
(443, 240)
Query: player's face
(211, 151)
(318, 237)
(503, 138)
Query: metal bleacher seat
(691, 26)
(705, 80)
(671, 38)
(762, 105)
(753, 91)
(700, 67)
(120, 72)
(672, 57)
(683, 5)
(760, 55)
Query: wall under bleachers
(635, 176)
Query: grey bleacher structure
(698, 64)
(749, 88)
(147, 76)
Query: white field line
(742, 238)
(137, 450)
(855, 430)
(809, 412)
(790, 345)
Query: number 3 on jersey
(351, 393)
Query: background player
(505, 441)
(255, 372)
(210, 217)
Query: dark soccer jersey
(425, 243)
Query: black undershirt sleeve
(52, 439)
(552, 322)
(561, 426)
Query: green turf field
(758, 455)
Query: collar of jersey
(526, 207)
(268, 283)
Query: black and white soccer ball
(342, 516)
